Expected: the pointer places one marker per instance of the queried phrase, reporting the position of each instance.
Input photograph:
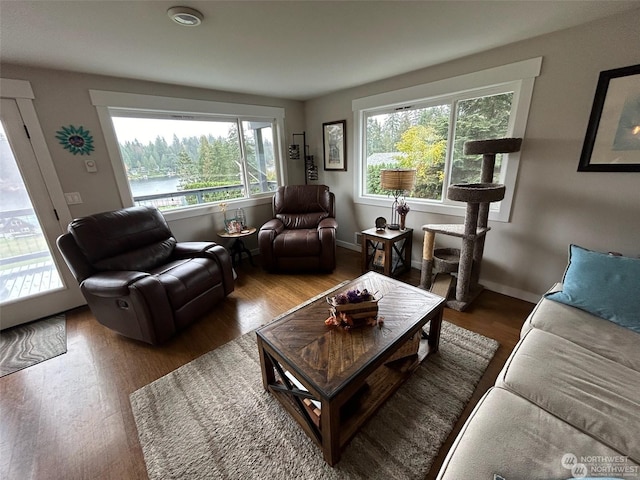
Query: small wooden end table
(237, 248)
(333, 380)
(387, 250)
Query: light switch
(91, 166)
(73, 198)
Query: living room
(553, 204)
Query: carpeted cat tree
(465, 262)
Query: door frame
(21, 92)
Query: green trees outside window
(418, 137)
(216, 159)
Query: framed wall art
(334, 135)
(612, 141)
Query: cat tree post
(488, 149)
(477, 196)
(473, 194)
(427, 259)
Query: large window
(181, 159)
(428, 134)
(176, 163)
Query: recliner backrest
(135, 238)
(303, 206)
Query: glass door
(32, 285)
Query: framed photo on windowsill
(612, 141)
(334, 135)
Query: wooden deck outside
(28, 280)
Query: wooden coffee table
(333, 380)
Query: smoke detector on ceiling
(185, 16)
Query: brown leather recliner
(302, 236)
(137, 279)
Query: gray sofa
(566, 404)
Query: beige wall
(554, 205)
(62, 99)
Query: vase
(402, 220)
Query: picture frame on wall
(612, 141)
(334, 135)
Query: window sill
(455, 210)
(212, 208)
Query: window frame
(164, 107)
(517, 77)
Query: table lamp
(397, 181)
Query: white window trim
(22, 93)
(105, 100)
(523, 73)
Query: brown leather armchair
(302, 236)
(137, 279)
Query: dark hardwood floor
(70, 417)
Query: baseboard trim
(511, 292)
(351, 246)
(493, 286)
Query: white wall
(62, 99)
(554, 205)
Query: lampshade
(398, 179)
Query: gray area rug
(32, 343)
(212, 419)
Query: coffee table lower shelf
(361, 406)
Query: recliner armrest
(268, 232)
(221, 255)
(209, 250)
(274, 224)
(112, 284)
(191, 249)
(328, 223)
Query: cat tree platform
(477, 196)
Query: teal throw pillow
(604, 285)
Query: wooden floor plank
(70, 417)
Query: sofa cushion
(509, 436)
(600, 336)
(604, 285)
(590, 392)
(184, 280)
(297, 243)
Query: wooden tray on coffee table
(332, 380)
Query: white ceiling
(289, 49)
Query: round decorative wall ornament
(76, 140)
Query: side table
(238, 247)
(387, 250)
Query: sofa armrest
(112, 284)
(327, 236)
(191, 249)
(274, 226)
(328, 223)
(221, 255)
(134, 304)
(209, 250)
(267, 234)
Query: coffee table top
(327, 357)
